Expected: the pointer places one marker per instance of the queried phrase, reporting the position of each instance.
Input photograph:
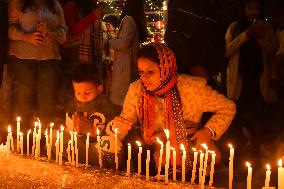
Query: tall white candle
(194, 166)
(18, 133)
(160, 158)
(212, 168)
(28, 143)
(231, 166)
(50, 141)
(168, 151)
(72, 148)
(201, 167)
(9, 142)
(21, 143)
(46, 143)
(174, 164)
(34, 138)
(76, 149)
(267, 176)
(280, 175)
(61, 145)
(68, 151)
(128, 160)
(139, 157)
(205, 163)
(57, 147)
(87, 149)
(147, 165)
(249, 176)
(183, 162)
(115, 148)
(99, 148)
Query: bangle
(212, 131)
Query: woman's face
(252, 10)
(149, 73)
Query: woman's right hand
(35, 38)
(250, 31)
(122, 124)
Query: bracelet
(212, 131)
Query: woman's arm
(126, 35)
(14, 31)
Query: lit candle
(28, 143)
(68, 151)
(201, 167)
(87, 149)
(9, 139)
(139, 157)
(183, 162)
(61, 145)
(160, 158)
(115, 149)
(128, 160)
(46, 143)
(76, 149)
(99, 148)
(280, 175)
(57, 147)
(194, 166)
(72, 148)
(38, 138)
(212, 168)
(231, 166)
(50, 141)
(168, 150)
(147, 165)
(249, 176)
(21, 143)
(205, 163)
(267, 177)
(174, 164)
(18, 133)
(34, 139)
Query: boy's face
(86, 91)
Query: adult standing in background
(132, 32)
(3, 37)
(36, 29)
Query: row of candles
(72, 150)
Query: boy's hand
(82, 124)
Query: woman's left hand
(82, 125)
(201, 136)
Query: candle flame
(173, 149)
(230, 146)
(51, 124)
(115, 130)
(46, 132)
(98, 132)
(248, 164)
(18, 119)
(71, 132)
(69, 142)
(268, 167)
(29, 132)
(194, 149)
(167, 132)
(182, 147)
(212, 152)
(62, 128)
(159, 141)
(129, 144)
(138, 143)
(204, 146)
(75, 133)
(21, 134)
(88, 134)
(9, 129)
(200, 151)
(280, 163)
(57, 135)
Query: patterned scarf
(173, 109)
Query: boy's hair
(86, 73)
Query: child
(90, 110)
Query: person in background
(90, 110)
(36, 29)
(162, 99)
(132, 32)
(250, 47)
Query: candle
(77, 156)
(194, 166)
(46, 143)
(205, 163)
(174, 164)
(99, 148)
(280, 175)
(212, 168)
(72, 148)
(231, 166)
(57, 147)
(87, 149)
(201, 167)
(147, 165)
(50, 140)
(128, 160)
(139, 157)
(76, 149)
(183, 162)
(34, 138)
(21, 143)
(160, 158)
(18, 133)
(68, 151)
(61, 145)
(267, 177)
(168, 145)
(38, 138)
(9, 142)
(115, 149)
(28, 143)
(249, 176)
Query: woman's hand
(122, 124)
(201, 136)
(82, 124)
(35, 38)
(250, 32)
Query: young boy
(91, 110)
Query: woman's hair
(149, 52)
(86, 6)
(86, 73)
(243, 23)
(31, 4)
(135, 9)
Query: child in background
(90, 110)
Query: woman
(36, 29)
(251, 52)
(162, 99)
(132, 32)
